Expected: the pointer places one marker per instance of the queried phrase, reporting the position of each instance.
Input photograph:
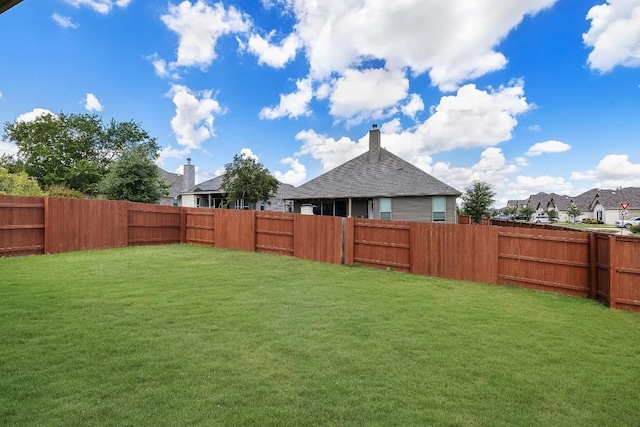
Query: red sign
(625, 205)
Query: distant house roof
(517, 203)
(358, 178)
(583, 201)
(561, 202)
(212, 186)
(538, 200)
(174, 180)
(611, 199)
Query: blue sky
(534, 95)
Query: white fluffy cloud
(370, 93)
(193, 121)
(249, 154)
(474, 118)
(91, 103)
(492, 167)
(453, 42)
(296, 174)
(550, 146)
(614, 35)
(100, 6)
(413, 106)
(34, 114)
(502, 174)
(170, 152)
(291, 105)
(63, 21)
(273, 55)
(8, 148)
(329, 151)
(198, 27)
(614, 170)
(470, 118)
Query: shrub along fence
(571, 262)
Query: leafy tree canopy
(477, 199)
(133, 177)
(527, 210)
(73, 150)
(245, 178)
(18, 184)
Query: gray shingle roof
(611, 199)
(539, 200)
(583, 201)
(390, 177)
(174, 180)
(213, 186)
(210, 186)
(561, 202)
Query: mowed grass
(188, 336)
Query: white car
(540, 218)
(628, 223)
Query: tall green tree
(18, 184)
(573, 211)
(73, 150)
(477, 199)
(245, 178)
(134, 177)
(527, 210)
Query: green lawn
(188, 336)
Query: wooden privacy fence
(579, 263)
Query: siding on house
(411, 208)
(415, 209)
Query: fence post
(343, 223)
(46, 245)
(613, 288)
(255, 232)
(593, 266)
(183, 226)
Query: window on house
(439, 208)
(385, 208)
(326, 208)
(242, 204)
(340, 207)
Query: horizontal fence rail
(578, 263)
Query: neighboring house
(600, 204)
(582, 201)
(208, 194)
(378, 185)
(605, 204)
(177, 183)
(517, 204)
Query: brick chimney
(188, 175)
(374, 144)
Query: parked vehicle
(501, 217)
(628, 223)
(540, 219)
(519, 217)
